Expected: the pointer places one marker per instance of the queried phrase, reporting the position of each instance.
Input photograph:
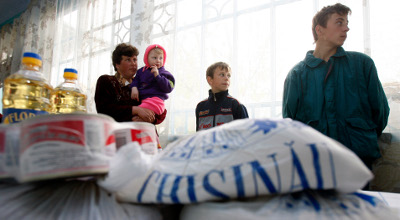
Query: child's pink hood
(146, 54)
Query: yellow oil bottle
(26, 93)
(68, 97)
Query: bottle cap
(70, 73)
(32, 58)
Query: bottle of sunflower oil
(68, 97)
(26, 93)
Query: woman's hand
(137, 119)
(146, 115)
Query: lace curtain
(260, 39)
(32, 31)
(87, 33)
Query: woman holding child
(113, 93)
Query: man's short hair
(211, 69)
(322, 17)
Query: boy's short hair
(321, 18)
(211, 69)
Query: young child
(220, 107)
(152, 82)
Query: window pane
(123, 9)
(253, 74)
(187, 17)
(189, 75)
(385, 33)
(191, 86)
(245, 4)
(163, 19)
(293, 39)
(103, 11)
(219, 42)
(218, 8)
(101, 39)
(122, 31)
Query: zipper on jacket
(215, 110)
(329, 71)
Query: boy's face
(221, 80)
(155, 59)
(335, 32)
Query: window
(260, 39)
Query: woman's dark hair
(123, 49)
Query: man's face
(335, 32)
(221, 80)
(127, 67)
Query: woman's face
(127, 67)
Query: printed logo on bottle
(13, 115)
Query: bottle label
(14, 115)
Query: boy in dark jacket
(220, 107)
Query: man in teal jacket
(335, 91)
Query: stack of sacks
(67, 200)
(251, 158)
(307, 204)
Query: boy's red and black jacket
(218, 109)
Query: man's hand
(135, 93)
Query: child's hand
(154, 70)
(135, 94)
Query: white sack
(247, 158)
(308, 205)
(130, 162)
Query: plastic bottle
(26, 92)
(68, 97)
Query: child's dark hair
(322, 17)
(211, 69)
(123, 49)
